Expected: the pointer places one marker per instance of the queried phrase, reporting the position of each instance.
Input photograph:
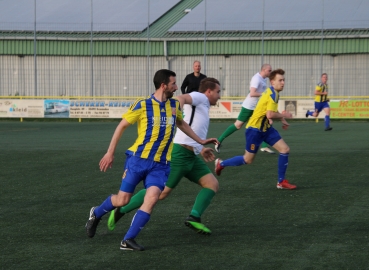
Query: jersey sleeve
(319, 87)
(254, 82)
(179, 114)
(197, 98)
(134, 112)
(272, 103)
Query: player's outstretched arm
(277, 115)
(182, 125)
(184, 99)
(107, 160)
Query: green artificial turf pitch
(50, 179)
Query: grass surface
(50, 179)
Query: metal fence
(39, 75)
(117, 76)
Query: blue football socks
(327, 121)
(104, 208)
(139, 221)
(282, 166)
(235, 161)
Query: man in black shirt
(192, 80)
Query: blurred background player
(148, 158)
(321, 101)
(258, 85)
(185, 161)
(259, 128)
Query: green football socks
(203, 200)
(232, 128)
(135, 202)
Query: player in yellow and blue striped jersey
(321, 101)
(259, 128)
(148, 159)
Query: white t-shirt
(200, 122)
(260, 84)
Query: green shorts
(244, 115)
(184, 163)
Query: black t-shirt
(192, 83)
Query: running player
(185, 161)
(259, 129)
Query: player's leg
(154, 183)
(242, 118)
(280, 145)
(316, 111)
(201, 175)
(130, 179)
(253, 141)
(135, 202)
(327, 118)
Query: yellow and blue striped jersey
(155, 126)
(321, 88)
(267, 102)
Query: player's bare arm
(318, 93)
(108, 159)
(182, 125)
(184, 99)
(254, 93)
(277, 115)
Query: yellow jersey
(155, 127)
(267, 102)
(321, 88)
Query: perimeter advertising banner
(349, 109)
(98, 109)
(226, 109)
(21, 108)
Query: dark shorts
(319, 106)
(255, 137)
(184, 163)
(138, 169)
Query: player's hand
(207, 154)
(284, 124)
(106, 162)
(210, 140)
(285, 127)
(270, 121)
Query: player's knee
(121, 201)
(285, 149)
(214, 186)
(247, 160)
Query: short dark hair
(324, 74)
(275, 72)
(208, 83)
(162, 76)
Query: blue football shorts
(255, 137)
(319, 106)
(138, 169)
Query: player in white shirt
(258, 84)
(185, 160)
